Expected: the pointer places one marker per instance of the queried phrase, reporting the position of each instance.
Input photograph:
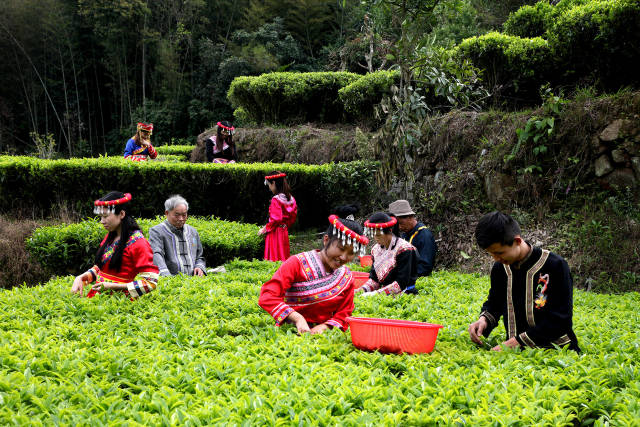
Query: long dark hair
(220, 137)
(282, 186)
(127, 228)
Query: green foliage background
(573, 43)
(201, 352)
(235, 192)
(70, 249)
(291, 97)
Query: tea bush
(199, 351)
(589, 41)
(171, 158)
(529, 20)
(518, 65)
(233, 192)
(360, 96)
(176, 150)
(598, 41)
(534, 20)
(290, 97)
(70, 249)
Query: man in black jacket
(417, 234)
(531, 288)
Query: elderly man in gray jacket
(176, 245)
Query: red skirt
(276, 245)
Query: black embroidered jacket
(536, 300)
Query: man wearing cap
(176, 245)
(139, 148)
(417, 234)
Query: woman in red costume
(314, 290)
(282, 214)
(124, 261)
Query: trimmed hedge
(171, 158)
(360, 97)
(175, 150)
(535, 20)
(529, 21)
(232, 192)
(510, 60)
(589, 42)
(290, 97)
(599, 41)
(70, 249)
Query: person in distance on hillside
(176, 245)
(283, 211)
(394, 268)
(417, 234)
(220, 147)
(124, 261)
(314, 290)
(531, 288)
(139, 148)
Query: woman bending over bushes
(124, 261)
(314, 290)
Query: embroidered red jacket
(302, 284)
(137, 260)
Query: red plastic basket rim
(359, 274)
(394, 322)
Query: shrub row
(329, 97)
(534, 20)
(200, 351)
(34, 187)
(520, 63)
(175, 150)
(290, 97)
(360, 97)
(600, 40)
(171, 158)
(588, 41)
(70, 249)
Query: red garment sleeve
(275, 215)
(146, 271)
(345, 309)
(272, 292)
(152, 152)
(143, 257)
(293, 214)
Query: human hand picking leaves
(477, 328)
(300, 322)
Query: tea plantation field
(201, 352)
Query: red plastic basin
(366, 260)
(393, 336)
(359, 278)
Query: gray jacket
(176, 250)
